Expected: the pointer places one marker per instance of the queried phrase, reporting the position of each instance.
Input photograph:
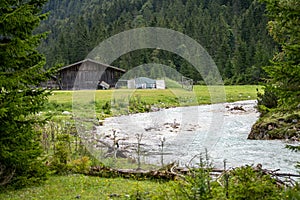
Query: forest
(233, 32)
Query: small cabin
(88, 74)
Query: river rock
(66, 113)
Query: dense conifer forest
(232, 31)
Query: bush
(61, 155)
(81, 165)
(198, 184)
(245, 183)
(267, 100)
(292, 193)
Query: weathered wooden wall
(87, 75)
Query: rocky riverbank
(277, 126)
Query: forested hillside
(232, 31)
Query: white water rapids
(188, 131)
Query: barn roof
(92, 61)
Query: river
(221, 129)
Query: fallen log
(287, 175)
(133, 173)
(173, 172)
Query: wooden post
(226, 176)
(162, 151)
(139, 139)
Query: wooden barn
(88, 74)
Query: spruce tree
(284, 27)
(282, 93)
(21, 72)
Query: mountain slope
(232, 31)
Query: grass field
(106, 103)
(200, 94)
(85, 187)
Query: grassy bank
(85, 187)
(233, 93)
(277, 125)
(242, 183)
(106, 103)
(167, 97)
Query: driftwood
(238, 108)
(164, 173)
(172, 172)
(281, 179)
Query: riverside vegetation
(280, 104)
(70, 162)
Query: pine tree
(21, 71)
(284, 27)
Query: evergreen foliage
(267, 100)
(232, 31)
(280, 102)
(284, 73)
(21, 71)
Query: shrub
(246, 183)
(267, 100)
(61, 155)
(197, 185)
(81, 165)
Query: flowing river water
(221, 129)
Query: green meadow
(106, 103)
(200, 95)
(87, 187)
